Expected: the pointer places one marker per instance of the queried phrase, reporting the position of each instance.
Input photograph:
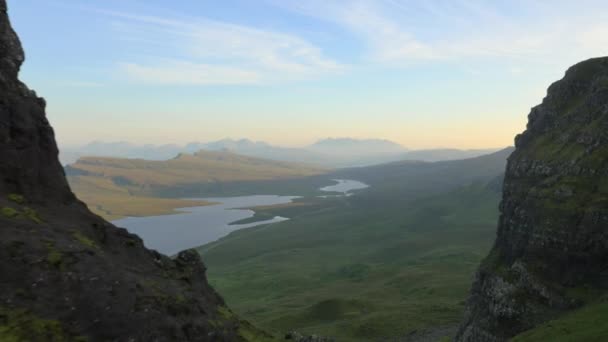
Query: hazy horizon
(305, 144)
(290, 73)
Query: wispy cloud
(196, 51)
(81, 84)
(186, 73)
(403, 32)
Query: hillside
(120, 149)
(200, 167)
(395, 259)
(68, 275)
(441, 154)
(118, 187)
(550, 254)
(416, 178)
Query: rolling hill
(117, 187)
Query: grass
(115, 188)
(25, 212)
(246, 331)
(112, 202)
(19, 199)
(201, 167)
(83, 240)
(54, 257)
(586, 324)
(345, 269)
(9, 212)
(32, 215)
(20, 325)
(263, 213)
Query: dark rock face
(551, 251)
(68, 275)
(27, 144)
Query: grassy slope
(200, 167)
(112, 202)
(115, 188)
(586, 324)
(359, 269)
(396, 258)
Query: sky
(425, 74)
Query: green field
(586, 324)
(383, 263)
(358, 274)
(105, 198)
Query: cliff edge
(551, 250)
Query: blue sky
(459, 73)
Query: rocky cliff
(68, 275)
(551, 250)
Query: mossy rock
(29, 213)
(32, 215)
(10, 212)
(84, 240)
(19, 199)
(54, 256)
(20, 325)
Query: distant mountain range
(356, 147)
(331, 152)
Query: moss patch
(225, 313)
(10, 212)
(250, 334)
(19, 199)
(84, 240)
(26, 212)
(32, 215)
(20, 325)
(54, 256)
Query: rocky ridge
(551, 250)
(68, 275)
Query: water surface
(345, 186)
(170, 234)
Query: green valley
(393, 260)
